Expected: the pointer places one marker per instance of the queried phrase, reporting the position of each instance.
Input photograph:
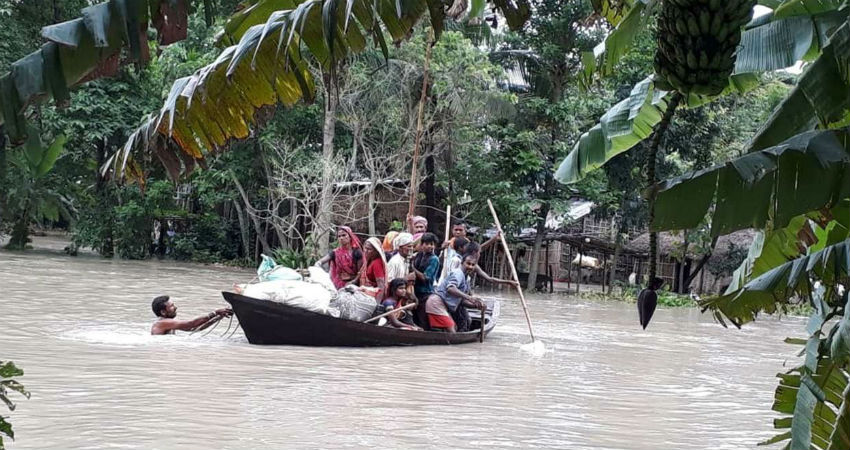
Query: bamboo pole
(414, 172)
(446, 236)
(394, 310)
(513, 268)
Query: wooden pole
(483, 319)
(395, 310)
(513, 268)
(414, 172)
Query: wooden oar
(403, 308)
(483, 316)
(513, 268)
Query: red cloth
(343, 260)
(440, 321)
(373, 271)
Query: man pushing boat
(167, 322)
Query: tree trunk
(701, 264)
(321, 228)
(107, 246)
(682, 272)
(243, 229)
(258, 228)
(373, 228)
(618, 247)
(538, 242)
(652, 179)
(3, 189)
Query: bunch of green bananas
(697, 43)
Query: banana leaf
(779, 43)
(807, 233)
(805, 173)
(791, 8)
(84, 49)
(773, 290)
(819, 99)
(814, 394)
(629, 23)
(265, 67)
(769, 43)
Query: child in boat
(453, 257)
(425, 266)
(397, 297)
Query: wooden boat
(271, 323)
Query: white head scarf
(402, 239)
(376, 244)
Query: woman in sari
(373, 280)
(346, 260)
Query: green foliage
(8, 371)
(815, 394)
(294, 259)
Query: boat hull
(270, 323)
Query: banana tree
(815, 396)
(31, 198)
(773, 41)
(8, 384)
(84, 49)
(264, 65)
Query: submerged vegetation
(602, 99)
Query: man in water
(167, 323)
(648, 300)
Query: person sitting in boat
(453, 257)
(397, 297)
(167, 322)
(446, 308)
(399, 265)
(417, 224)
(346, 260)
(426, 265)
(373, 279)
(389, 250)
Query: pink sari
(343, 260)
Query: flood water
(79, 327)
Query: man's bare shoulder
(164, 326)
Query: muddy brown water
(79, 328)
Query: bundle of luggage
(312, 290)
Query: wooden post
(513, 268)
(580, 259)
(570, 269)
